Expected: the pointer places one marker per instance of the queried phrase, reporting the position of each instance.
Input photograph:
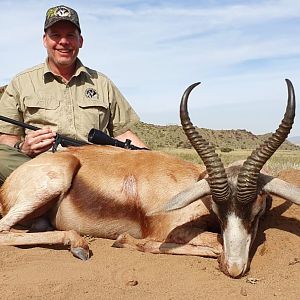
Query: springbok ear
(186, 197)
(281, 188)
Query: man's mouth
(64, 50)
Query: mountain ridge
(295, 140)
(172, 136)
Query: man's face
(62, 41)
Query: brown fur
(109, 192)
(112, 191)
(291, 175)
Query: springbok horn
(281, 188)
(247, 179)
(217, 178)
(198, 190)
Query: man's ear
(80, 41)
(44, 40)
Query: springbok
(147, 200)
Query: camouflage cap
(61, 13)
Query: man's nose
(64, 40)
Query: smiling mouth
(64, 50)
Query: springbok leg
(205, 244)
(79, 246)
(47, 182)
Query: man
(60, 95)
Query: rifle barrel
(18, 123)
(64, 139)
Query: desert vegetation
(231, 145)
(281, 160)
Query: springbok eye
(257, 215)
(258, 208)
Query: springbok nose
(236, 268)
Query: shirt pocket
(92, 114)
(42, 110)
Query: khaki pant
(10, 159)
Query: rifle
(95, 136)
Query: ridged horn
(217, 177)
(247, 179)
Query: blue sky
(241, 51)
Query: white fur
(236, 245)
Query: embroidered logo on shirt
(90, 93)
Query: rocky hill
(295, 140)
(158, 136)
(2, 88)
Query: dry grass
(281, 160)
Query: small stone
(295, 261)
(263, 249)
(252, 280)
(132, 283)
(243, 292)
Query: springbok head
(239, 193)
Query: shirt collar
(80, 68)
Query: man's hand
(133, 137)
(37, 142)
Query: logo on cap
(63, 12)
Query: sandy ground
(112, 273)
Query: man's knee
(10, 159)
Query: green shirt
(89, 100)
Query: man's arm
(9, 139)
(131, 136)
(35, 142)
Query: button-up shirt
(89, 100)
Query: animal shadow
(274, 219)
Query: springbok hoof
(81, 253)
(120, 241)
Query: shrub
(226, 149)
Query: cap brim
(60, 20)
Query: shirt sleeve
(123, 116)
(9, 107)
